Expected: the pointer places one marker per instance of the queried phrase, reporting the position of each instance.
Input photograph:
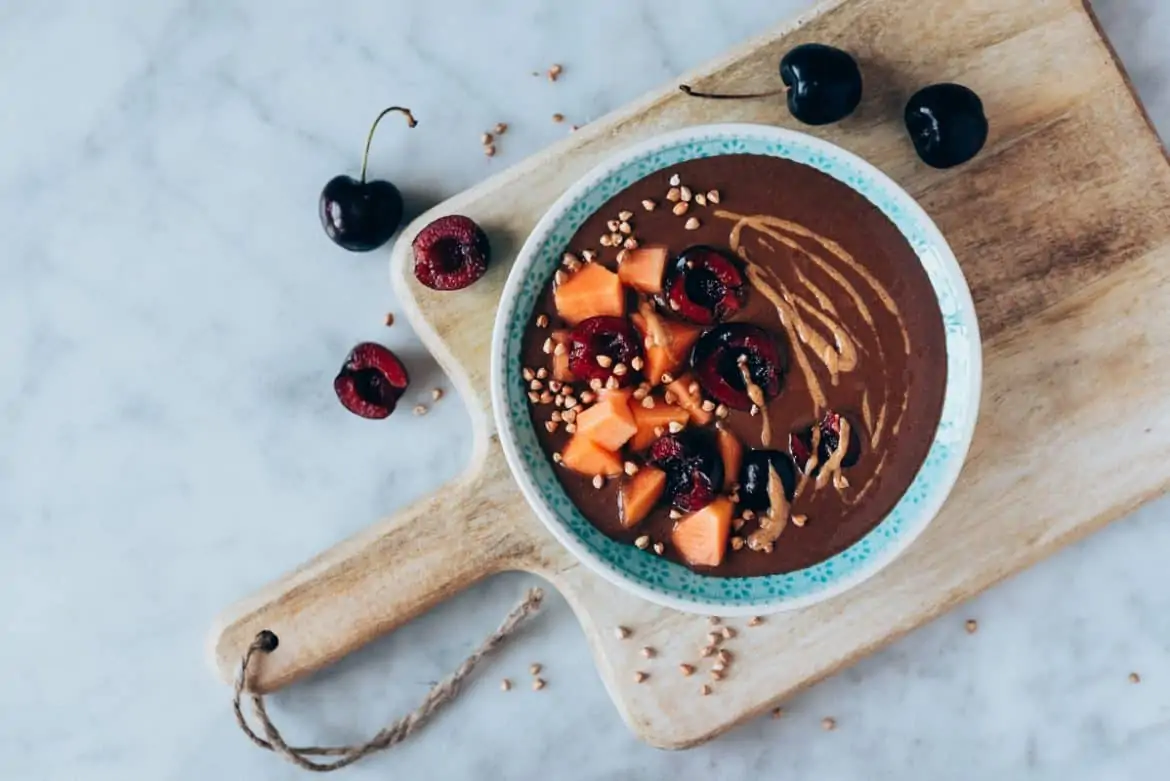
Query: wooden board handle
(374, 581)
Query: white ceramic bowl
(641, 572)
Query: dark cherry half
(694, 470)
(371, 381)
(451, 253)
(361, 215)
(612, 337)
(717, 357)
(753, 478)
(947, 124)
(705, 285)
(800, 443)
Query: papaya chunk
(643, 269)
(668, 343)
(639, 494)
(591, 292)
(701, 537)
(609, 422)
(731, 451)
(586, 457)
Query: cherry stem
(686, 88)
(410, 122)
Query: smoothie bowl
(736, 369)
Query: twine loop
(440, 694)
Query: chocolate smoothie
(847, 301)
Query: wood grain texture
(1062, 227)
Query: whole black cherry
(823, 84)
(947, 124)
(358, 215)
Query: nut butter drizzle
(787, 319)
(832, 468)
(812, 310)
(771, 226)
(839, 357)
(763, 224)
(756, 394)
(822, 299)
(869, 484)
(844, 358)
(876, 439)
(901, 413)
(776, 520)
(811, 464)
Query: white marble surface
(170, 319)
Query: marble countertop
(171, 318)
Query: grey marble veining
(170, 319)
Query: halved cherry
(719, 353)
(753, 478)
(800, 443)
(831, 438)
(451, 253)
(694, 470)
(599, 344)
(705, 285)
(371, 381)
(800, 447)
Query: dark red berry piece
(667, 450)
(695, 494)
(831, 438)
(719, 353)
(451, 253)
(694, 470)
(754, 475)
(705, 286)
(371, 381)
(615, 338)
(800, 447)
(800, 443)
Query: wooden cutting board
(1062, 226)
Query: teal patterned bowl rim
(641, 572)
